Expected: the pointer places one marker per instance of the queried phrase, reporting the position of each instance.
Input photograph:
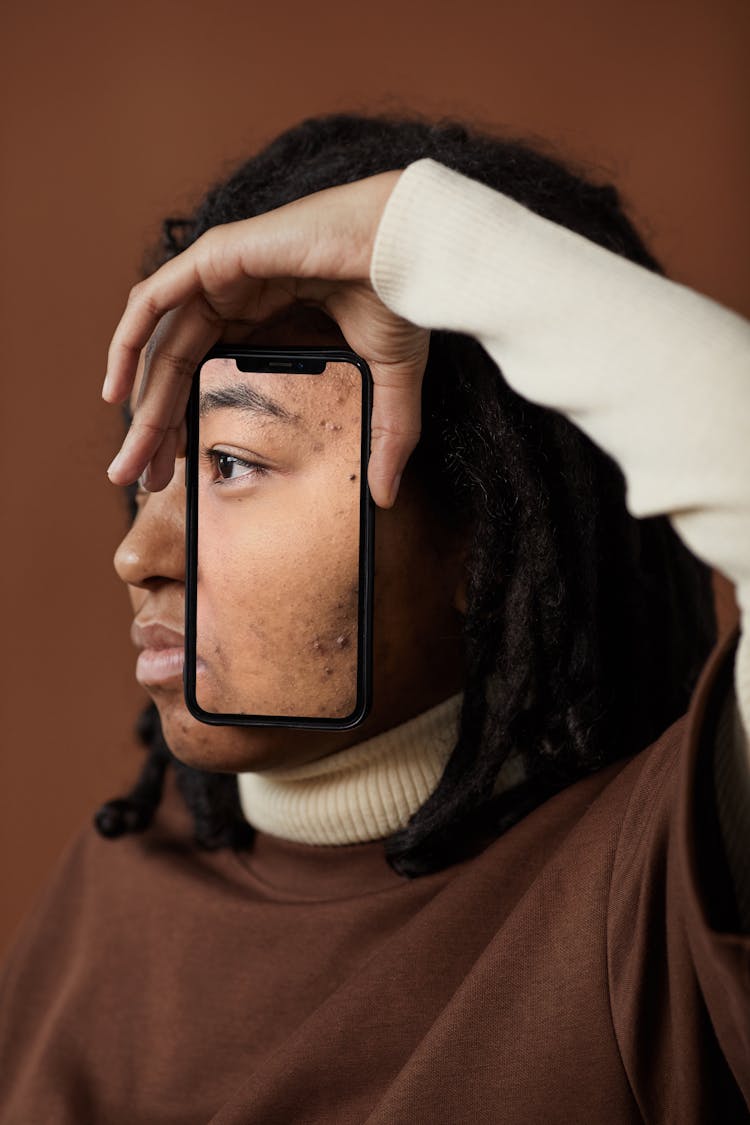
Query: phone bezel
(366, 546)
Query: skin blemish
(342, 641)
(353, 476)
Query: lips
(155, 635)
(162, 656)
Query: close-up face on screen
(278, 482)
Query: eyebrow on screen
(239, 396)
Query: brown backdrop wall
(115, 115)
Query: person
(519, 891)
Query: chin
(228, 749)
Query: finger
(180, 342)
(396, 426)
(229, 265)
(183, 339)
(172, 285)
(160, 469)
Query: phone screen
(280, 538)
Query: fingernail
(394, 490)
(116, 464)
(105, 386)
(144, 479)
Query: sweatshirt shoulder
(100, 886)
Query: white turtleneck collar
(365, 792)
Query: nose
(153, 551)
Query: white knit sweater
(656, 374)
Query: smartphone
(280, 538)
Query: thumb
(395, 430)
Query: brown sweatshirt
(587, 966)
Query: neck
(365, 792)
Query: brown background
(115, 115)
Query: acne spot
(353, 476)
(328, 670)
(342, 641)
(329, 425)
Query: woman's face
(277, 578)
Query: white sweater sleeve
(656, 374)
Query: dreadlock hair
(585, 628)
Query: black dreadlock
(586, 629)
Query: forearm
(655, 374)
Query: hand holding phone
(316, 250)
